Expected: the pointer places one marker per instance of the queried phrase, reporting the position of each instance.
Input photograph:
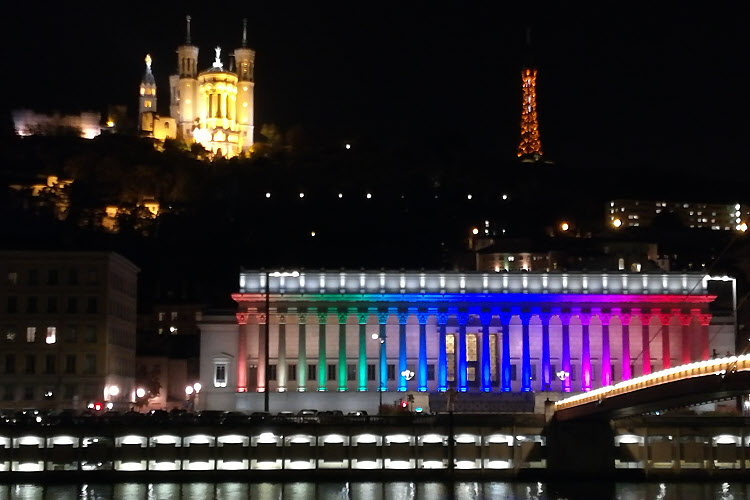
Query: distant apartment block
(693, 215)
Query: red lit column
(686, 320)
(665, 320)
(242, 352)
(705, 320)
(261, 373)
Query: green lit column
(343, 316)
(302, 356)
(362, 363)
(322, 318)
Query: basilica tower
(147, 99)
(245, 61)
(184, 87)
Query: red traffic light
(98, 406)
(403, 404)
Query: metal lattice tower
(530, 146)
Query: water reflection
(377, 491)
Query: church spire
(244, 33)
(530, 146)
(187, 37)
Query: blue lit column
(362, 361)
(526, 354)
(505, 373)
(382, 320)
(460, 350)
(585, 353)
(442, 319)
(403, 316)
(422, 369)
(565, 320)
(485, 318)
(546, 364)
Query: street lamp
(375, 336)
(266, 355)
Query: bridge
(684, 385)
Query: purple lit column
(485, 318)
(505, 373)
(546, 368)
(442, 319)
(625, 322)
(565, 320)
(666, 356)
(646, 340)
(422, 369)
(526, 354)
(606, 359)
(460, 352)
(585, 353)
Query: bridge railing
(696, 369)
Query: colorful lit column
(322, 318)
(342, 316)
(281, 363)
(645, 342)
(460, 352)
(485, 318)
(362, 362)
(442, 319)
(666, 359)
(505, 374)
(546, 363)
(625, 369)
(422, 369)
(261, 372)
(403, 316)
(302, 356)
(525, 354)
(242, 352)
(382, 321)
(686, 320)
(585, 352)
(606, 356)
(566, 382)
(705, 320)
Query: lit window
(51, 335)
(146, 104)
(220, 373)
(31, 334)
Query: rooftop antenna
(244, 33)
(187, 38)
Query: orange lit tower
(530, 147)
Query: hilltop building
(213, 107)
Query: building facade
(331, 333)
(68, 329)
(693, 215)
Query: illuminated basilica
(213, 107)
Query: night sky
(617, 87)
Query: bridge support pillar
(581, 448)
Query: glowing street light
(114, 390)
(617, 223)
(189, 390)
(475, 231)
(140, 392)
(564, 226)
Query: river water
(379, 491)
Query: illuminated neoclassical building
(335, 337)
(214, 107)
